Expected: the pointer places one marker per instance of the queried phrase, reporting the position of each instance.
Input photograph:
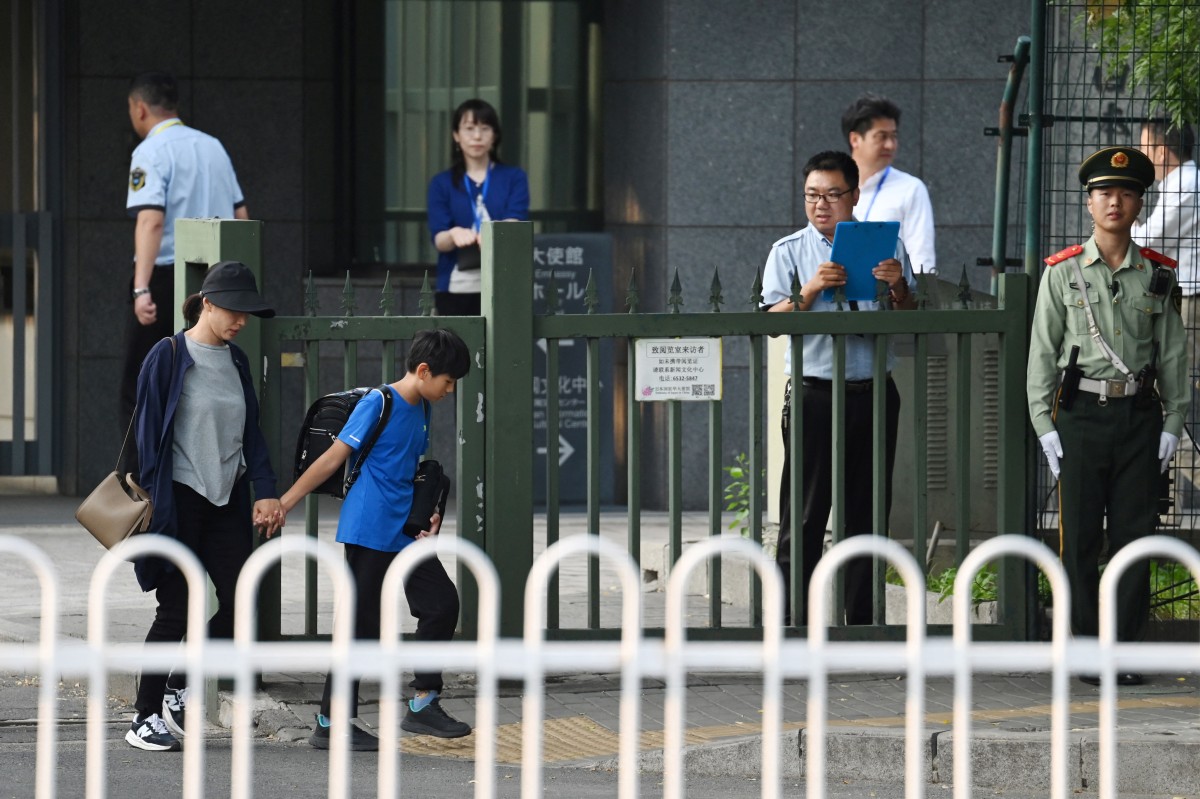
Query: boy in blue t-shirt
(371, 524)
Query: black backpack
(325, 419)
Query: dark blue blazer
(158, 388)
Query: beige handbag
(117, 509)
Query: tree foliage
(1156, 43)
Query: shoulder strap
(384, 414)
(1094, 329)
(1062, 255)
(128, 430)
(1158, 257)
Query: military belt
(1109, 388)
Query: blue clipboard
(860, 246)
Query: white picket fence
(635, 657)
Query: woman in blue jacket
(476, 188)
(201, 450)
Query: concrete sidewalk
(1159, 722)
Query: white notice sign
(678, 369)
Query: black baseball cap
(231, 285)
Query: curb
(1002, 760)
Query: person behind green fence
(830, 193)
(371, 525)
(1107, 389)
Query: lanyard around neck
(477, 207)
(875, 196)
(164, 125)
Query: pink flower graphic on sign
(647, 391)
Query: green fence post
(1019, 599)
(508, 441)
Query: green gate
(495, 507)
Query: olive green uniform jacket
(1130, 321)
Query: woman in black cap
(201, 452)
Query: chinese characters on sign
(569, 259)
(678, 369)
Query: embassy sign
(568, 258)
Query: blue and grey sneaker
(425, 716)
(151, 734)
(174, 703)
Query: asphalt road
(295, 771)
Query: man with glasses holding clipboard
(830, 193)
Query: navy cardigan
(158, 389)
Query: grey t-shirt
(209, 422)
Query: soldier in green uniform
(1107, 388)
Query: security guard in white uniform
(176, 172)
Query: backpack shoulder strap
(384, 414)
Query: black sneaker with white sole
(152, 735)
(360, 739)
(174, 703)
(433, 720)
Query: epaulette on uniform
(1063, 255)
(1157, 257)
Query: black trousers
(448, 304)
(1109, 469)
(222, 539)
(139, 339)
(817, 415)
(432, 601)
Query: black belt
(852, 386)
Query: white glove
(1167, 444)
(1052, 446)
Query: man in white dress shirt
(1173, 229)
(871, 126)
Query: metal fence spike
(964, 289)
(426, 301)
(348, 303)
(386, 300)
(795, 296)
(675, 300)
(756, 299)
(631, 293)
(715, 298)
(310, 296)
(553, 301)
(591, 296)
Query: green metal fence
(495, 436)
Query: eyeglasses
(831, 197)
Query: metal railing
(529, 657)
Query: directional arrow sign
(566, 342)
(565, 450)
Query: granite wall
(711, 109)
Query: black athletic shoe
(433, 720)
(360, 739)
(152, 735)
(174, 703)
(1123, 678)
